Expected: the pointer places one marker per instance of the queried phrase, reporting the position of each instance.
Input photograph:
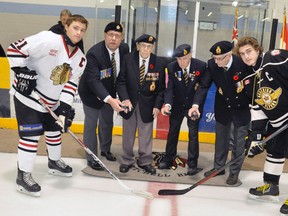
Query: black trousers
(173, 136)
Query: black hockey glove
(252, 146)
(26, 80)
(66, 115)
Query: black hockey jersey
(267, 87)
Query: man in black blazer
(184, 76)
(231, 106)
(140, 87)
(97, 89)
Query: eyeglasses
(219, 59)
(143, 45)
(111, 35)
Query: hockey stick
(273, 135)
(134, 191)
(186, 190)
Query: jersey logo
(268, 98)
(61, 74)
(275, 52)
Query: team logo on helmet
(268, 98)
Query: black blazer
(177, 94)
(229, 105)
(95, 84)
(150, 94)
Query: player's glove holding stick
(252, 146)
(66, 115)
(26, 80)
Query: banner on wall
(207, 122)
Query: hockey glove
(26, 80)
(66, 115)
(252, 146)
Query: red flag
(284, 36)
(235, 29)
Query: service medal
(152, 86)
(220, 91)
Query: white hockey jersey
(43, 52)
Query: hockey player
(50, 65)
(267, 87)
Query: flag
(284, 36)
(235, 29)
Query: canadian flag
(235, 29)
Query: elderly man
(231, 106)
(184, 76)
(140, 87)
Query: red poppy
(235, 77)
(151, 66)
(197, 73)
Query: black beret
(221, 47)
(146, 39)
(114, 26)
(182, 50)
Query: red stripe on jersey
(16, 51)
(70, 87)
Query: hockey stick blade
(144, 194)
(166, 192)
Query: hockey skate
(26, 184)
(268, 192)
(59, 168)
(284, 208)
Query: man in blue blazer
(184, 76)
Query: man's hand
(116, 104)
(128, 105)
(166, 110)
(155, 112)
(193, 112)
(66, 115)
(26, 80)
(252, 146)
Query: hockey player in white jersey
(50, 65)
(268, 89)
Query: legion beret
(221, 47)
(146, 39)
(114, 26)
(182, 50)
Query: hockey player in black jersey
(267, 86)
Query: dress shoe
(232, 179)
(124, 168)
(109, 156)
(192, 171)
(208, 173)
(164, 165)
(148, 168)
(95, 165)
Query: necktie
(225, 68)
(114, 70)
(185, 77)
(142, 71)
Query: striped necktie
(114, 70)
(142, 71)
(185, 77)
